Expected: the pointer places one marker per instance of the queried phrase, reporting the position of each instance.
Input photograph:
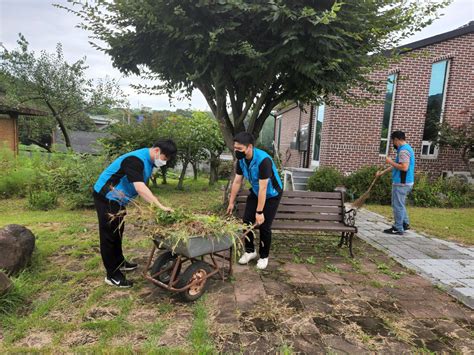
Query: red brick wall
(8, 132)
(351, 135)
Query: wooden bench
(311, 211)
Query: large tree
(246, 57)
(48, 81)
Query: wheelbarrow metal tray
(197, 246)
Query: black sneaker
(118, 281)
(406, 226)
(393, 231)
(126, 266)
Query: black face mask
(395, 147)
(239, 155)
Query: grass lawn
(60, 303)
(456, 224)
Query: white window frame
(392, 109)
(434, 155)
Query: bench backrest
(304, 205)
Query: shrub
(42, 200)
(225, 169)
(450, 192)
(325, 179)
(75, 178)
(425, 193)
(15, 182)
(358, 182)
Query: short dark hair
(167, 147)
(244, 138)
(398, 135)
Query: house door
(318, 127)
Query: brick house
(432, 82)
(9, 124)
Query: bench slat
(301, 194)
(308, 216)
(296, 208)
(312, 194)
(316, 226)
(310, 202)
(302, 201)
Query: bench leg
(351, 236)
(342, 240)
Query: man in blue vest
(403, 178)
(119, 183)
(265, 195)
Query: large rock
(5, 283)
(16, 246)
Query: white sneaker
(244, 259)
(262, 263)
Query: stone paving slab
(444, 263)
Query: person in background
(265, 194)
(123, 180)
(403, 178)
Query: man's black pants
(269, 212)
(111, 226)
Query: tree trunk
(229, 186)
(181, 176)
(39, 144)
(195, 170)
(62, 127)
(153, 180)
(164, 171)
(214, 170)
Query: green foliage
(250, 56)
(49, 82)
(74, 178)
(358, 182)
(197, 137)
(225, 169)
(15, 182)
(442, 192)
(46, 176)
(15, 297)
(42, 200)
(325, 179)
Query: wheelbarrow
(191, 284)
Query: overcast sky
(44, 25)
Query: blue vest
(114, 184)
(251, 173)
(404, 177)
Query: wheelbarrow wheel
(164, 261)
(198, 270)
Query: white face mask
(158, 162)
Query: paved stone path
(444, 263)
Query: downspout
(298, 131)
(310, 133)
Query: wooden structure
(9, 135)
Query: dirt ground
(311, 299)
(314, 299)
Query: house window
(435, 109)
(317, 133)
(388, 114)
